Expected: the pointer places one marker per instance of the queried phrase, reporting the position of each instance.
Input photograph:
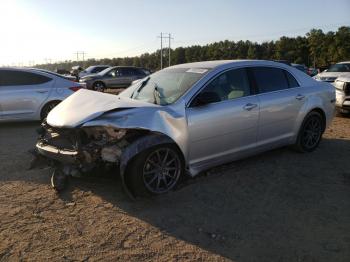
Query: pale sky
(34, 30)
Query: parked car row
(339, 75)
(309, 71)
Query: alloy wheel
(161, 170)
(312, 132)
(99, 87)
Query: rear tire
(99, 86)
(310, 133)
(155, 171)
(47, 108)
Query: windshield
(339, 68)
(166, 86)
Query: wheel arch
(47, 103)
(322, 113)
(138, 146)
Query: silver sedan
(30, 94)
(185, 119)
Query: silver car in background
(91, 70)
(113, 77)
(186, 119)
(30, 94)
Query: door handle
(249, 106)
(42, 91)
(299, 97)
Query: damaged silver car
(185, 119)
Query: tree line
(315, 48)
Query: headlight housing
(339, 85)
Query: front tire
(155, 171)
(99, 86)
(310, 133)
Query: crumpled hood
(85, 105)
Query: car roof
(100, 66)
(35, 70)
(112, 67)
(344, 62)
(219, 63)
(26, 69)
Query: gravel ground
(277, 206)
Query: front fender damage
(114, 138)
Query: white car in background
(342, 87)
(93, 70)
(336, 70)
(30, 94)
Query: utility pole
(83, 53)
(170, 38)
(161, 50)
(77, 53)
(162, 35)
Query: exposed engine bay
(74, 151)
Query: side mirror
(206, 98)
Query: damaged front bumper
(61, 155)
(79, 150)
(76, 151)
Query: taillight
(75, 88)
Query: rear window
(17, 78)
(269, 79)
(291, 80)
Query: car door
(127, 75)
(225, 129)
(22, 93)
(109, 77)
(280, 99)
(117, 78)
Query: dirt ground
(277, 206)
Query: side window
(291, 80)
(95, 70)
(269, 79)
(123, 72)
(114, 73)
(20, 78)
(139, 72)
(230, 85)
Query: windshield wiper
(142, 84)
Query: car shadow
(277, 206)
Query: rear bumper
(64, 156)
